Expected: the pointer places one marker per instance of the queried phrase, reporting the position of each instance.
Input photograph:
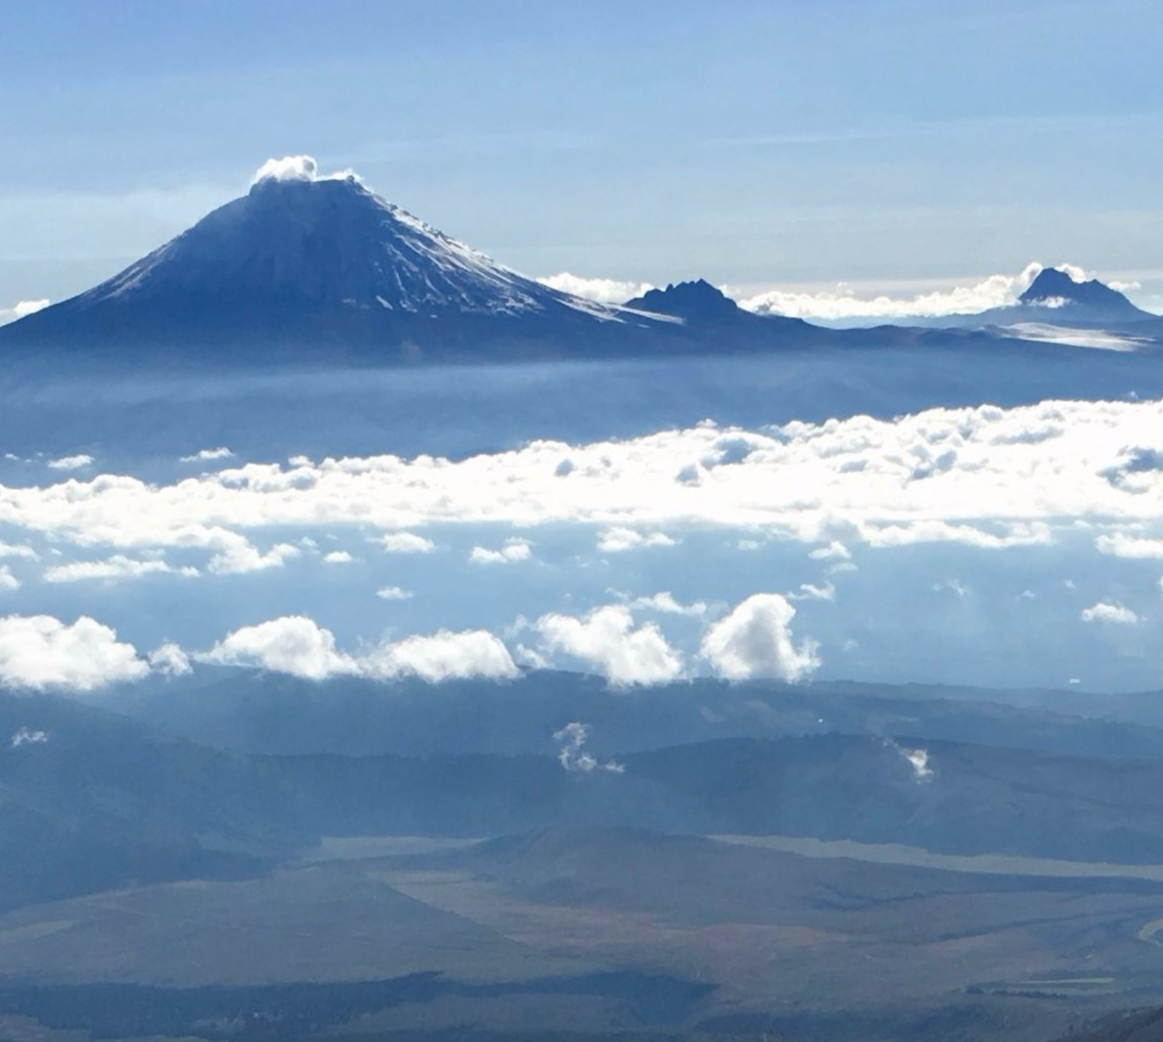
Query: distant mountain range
(102, 799)
(327, 271)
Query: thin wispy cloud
(604, 291)
(78, 462)
(208, 455)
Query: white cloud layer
(755, 640)
(987, 477)
(607, 641)
(39, 652)
(604, 291)
(995, 291)
(299, 646)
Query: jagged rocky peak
(695, 300)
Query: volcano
(303, 263)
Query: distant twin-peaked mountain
(323, 269)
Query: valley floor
(594, 932)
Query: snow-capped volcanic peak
(329, 241)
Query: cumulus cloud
(573, 755)
(39, 652)
(393, 593)
(607, 640)
(995, 291)
(299, 646)
(515, 549)
(1109, 611)
(337, 557)
(442, 656)
(291, 644)
(406, 543)
(78, 462)
(169, 660)
(604, 291)
(619, 540)
(755, 640)
(208, 455)
(297, 168)
(239, 557)
(22, 308)
(117, 568)
(8, 581)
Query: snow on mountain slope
(332, 242)
(315, 260)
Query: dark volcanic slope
(1133, 1026)
(91, 800)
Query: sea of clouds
(771, 552)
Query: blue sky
(892, 145)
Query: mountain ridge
(321, 270)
